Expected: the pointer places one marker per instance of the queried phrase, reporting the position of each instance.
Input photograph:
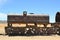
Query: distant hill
(3, 21)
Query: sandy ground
(2, 28)
(29, 37)
(6, 37)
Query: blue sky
(49, 7)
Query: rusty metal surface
(36, 19)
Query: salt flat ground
(6, 37)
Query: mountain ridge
(3, 21)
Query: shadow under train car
(31, 31)
(22, 31)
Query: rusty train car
(32, 25)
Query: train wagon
(31, 25)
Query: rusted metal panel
(36, 19)
(57, 18)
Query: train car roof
(28, 15)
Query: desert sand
(29, 37)
(6, 37)
(2, 28)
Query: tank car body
(31, 25)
